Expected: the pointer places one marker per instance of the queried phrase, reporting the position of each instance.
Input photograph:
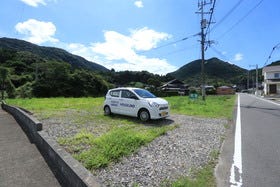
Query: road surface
(21, 164)
(251, 154)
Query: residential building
(271, 75)
(225, 90)
(175, 86)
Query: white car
(135, 102)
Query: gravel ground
(166, 158)
(170, 156)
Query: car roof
(124, 88)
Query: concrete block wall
(68, 171)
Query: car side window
(127, 94)
(115, 93)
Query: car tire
(144, 115)
(107, 111)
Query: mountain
(216, 72)
(50, 53)
(276, 63)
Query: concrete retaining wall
(68, 171)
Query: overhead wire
(170, 43)
(242, 18)
(210, 20)
(228, 14)
(219, 53)
(273, 49)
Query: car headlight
(153, 104)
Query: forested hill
(216, 71)
(50, 53)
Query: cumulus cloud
(37, 31)
(139, 4)
(119, 51)
(34, 3)
(238, 57)
(146, 39)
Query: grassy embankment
(122, 135)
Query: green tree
(5, 83)
(3, 77)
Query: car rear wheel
(107, 111)
(144, 115)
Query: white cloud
(34, 3)
(119, 51)
(238, 57)
(139, 4)
(37, 31)
(146, 39)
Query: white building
(271, 80)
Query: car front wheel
(144, 115)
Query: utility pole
(248, 79)
(257, 84)
(203, 25)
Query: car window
(144, 93)
(115, 93)
(127, 94)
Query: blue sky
(147, 34)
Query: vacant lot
(97, 141)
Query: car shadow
(154, 123)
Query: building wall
(225, 91)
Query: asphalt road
(21, 164)
(260, 132)
(250, 155)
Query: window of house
(276, 75)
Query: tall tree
(3, 79)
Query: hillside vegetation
(50, 53)
(217, 73)
(51, 72)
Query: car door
(128, 103)
(114, 101)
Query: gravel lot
(167, 157)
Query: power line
(228, 14)
(241, 19)
(275, 47)
(219, 53)
(171, 43)
(210, 20)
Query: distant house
(271, 81)
(225, 90)
(175, 86)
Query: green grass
(102, 140)
(111, 146)
(203, 177)
(213, 107)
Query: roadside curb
(68, 171)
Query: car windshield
(144, 93)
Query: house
(271, 83)
(225, 90)
(175, 86)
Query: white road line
(265, 100)
(236, 167)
